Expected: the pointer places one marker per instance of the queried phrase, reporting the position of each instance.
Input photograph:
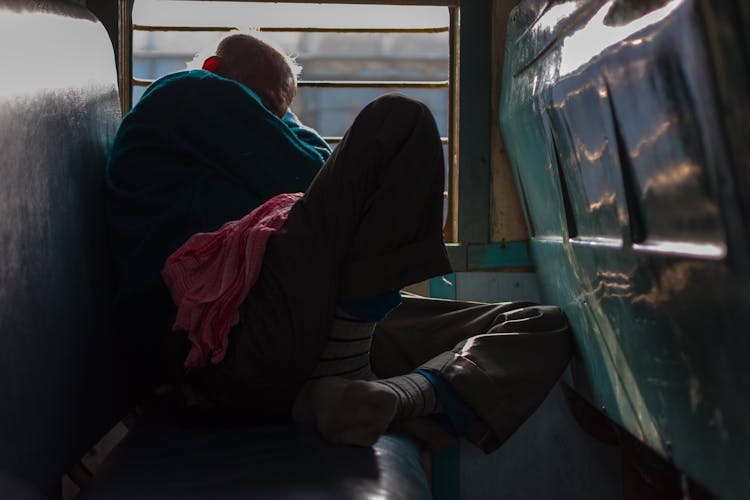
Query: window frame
(471, 117)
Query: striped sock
(347, 352)
(416, 395)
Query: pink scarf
(210, 275)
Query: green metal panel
(610, 113)
(490, 256)
(443, 287)
(498, 256)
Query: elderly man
(209, 146)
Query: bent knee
(398, 107)
(401, 102)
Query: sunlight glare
(257, 14)
(44, 64)
(587, 43)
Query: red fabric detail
(210, 275)
(211, 63)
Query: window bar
(144, 82)
(283, 29)
(450, 141)
(373, 84)
(125, 53)
(337, 139)
(450, 231)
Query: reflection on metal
(649, 139)
(614, 285)
(614, 372)
(556, 14)
(549, 33)
(285, 29)
(144, 82)
(672, 178)
(591, 156)
(575, 51)
(672, 282)
(597, 241)
(609, 113)
(578, 91)
(607, 199)
(684, 248)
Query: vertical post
(506, 218)
(451, 223)
(475, 118)
(124, 53)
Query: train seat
(59, 111)
(165, 461)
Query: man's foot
(346, 411)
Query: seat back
(59, 112)
(621, 120)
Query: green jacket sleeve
(307, 134)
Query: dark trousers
(371, 221)
(501, 359)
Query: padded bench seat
(166, 461)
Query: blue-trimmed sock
(458, 412)
(415, 395)
(371, 309)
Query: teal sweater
(196, 151)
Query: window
(350, 54)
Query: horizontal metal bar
(425, 3)
(142, 82)
(284, 29)
(337, 139)
(373, 84)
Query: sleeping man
(280, 306)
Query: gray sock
(347, 352)
(416, 395)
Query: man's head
(262, 68)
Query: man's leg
(490, 365)
(500, 359)
(371, 222)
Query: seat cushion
(59, 112)
(163, 462)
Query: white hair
(211, 49)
